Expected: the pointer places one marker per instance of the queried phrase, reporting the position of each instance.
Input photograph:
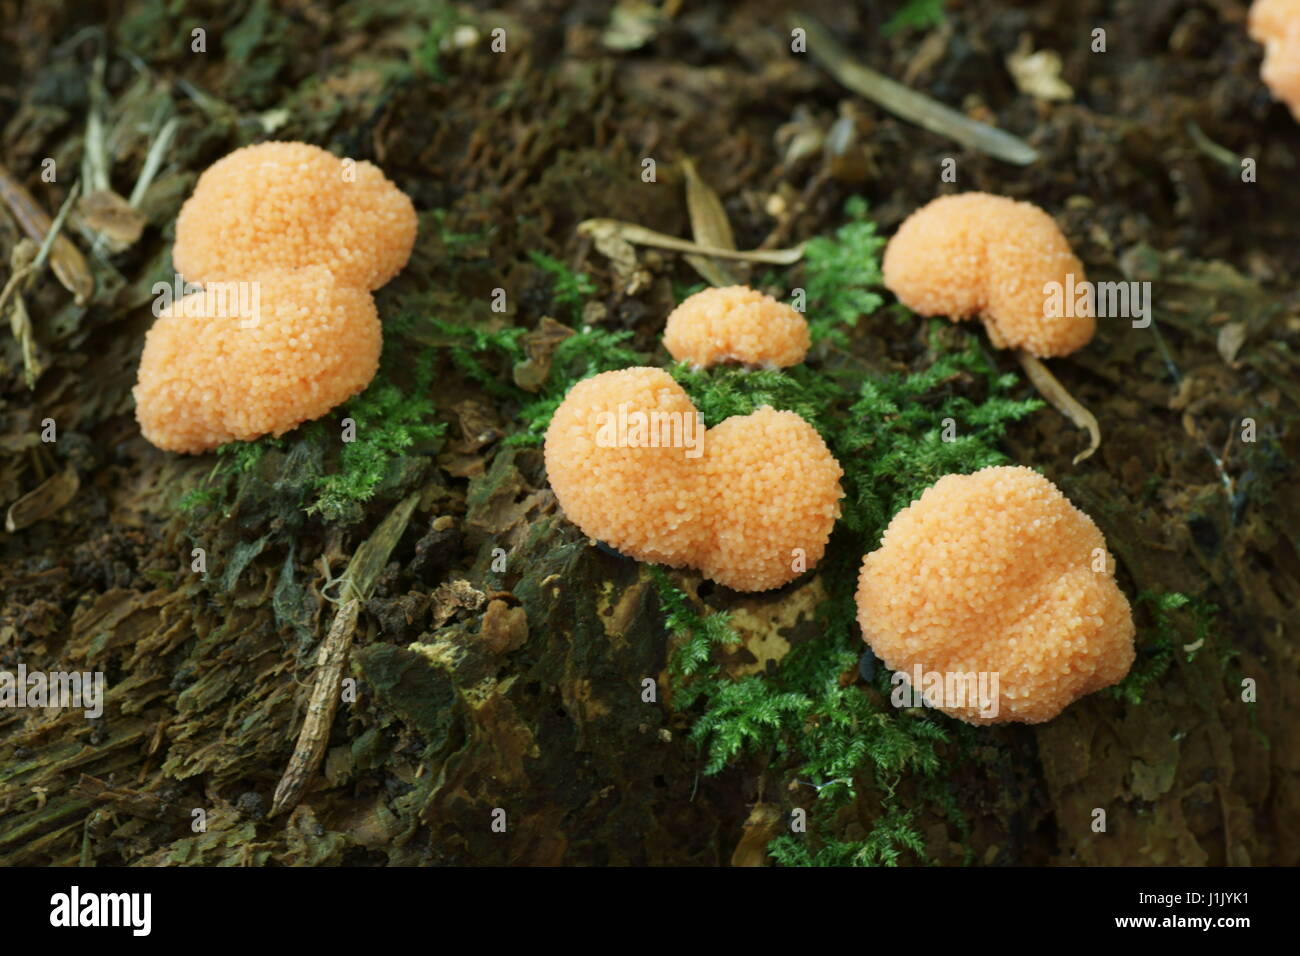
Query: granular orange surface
(736, 324)
(752, 510)
(290, 205)
(205, 379)
(997, 572)
(979, 255)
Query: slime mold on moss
(752, 510)
(736, 324)
(979, 255)
(312, 235)
(997, 573)
(204, 380)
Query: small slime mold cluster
(288, 241)
(736, 324)
(762, 492)
(991, 573)
(980, 255)
(997, 573)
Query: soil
(478, 693)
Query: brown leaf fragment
(65, 259)
(453, 597)
(763, 823)
(46, 499)
(709, 227)
(1230, 340)
(539, 346)
(479, 425)
(108, 215)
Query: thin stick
(1051, 389)
(153, 161)
(367, 561)
(314, 736)
(909, 104)
(639, 235)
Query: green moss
(842, 275)
(388, 421)
(442, 19)
(894, 435)
(582, 355)
(888, 435)
(916, 15)
(472, 349)
(569, 290)
(1158, 642)
(892, 835)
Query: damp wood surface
(477, 687)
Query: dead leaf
(65, 259)
(709, 227)
(107, 214)
(479, 425)
(1230, 340)
(539, 345)
(1038, 73)
(456, 596)
(762, 824)
(46, 499)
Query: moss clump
(894, 435)
(569, 290)
(488, 358)
(389, 422)
(842, 275)
(891, 836)
(916, 15)
(1158, 642)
